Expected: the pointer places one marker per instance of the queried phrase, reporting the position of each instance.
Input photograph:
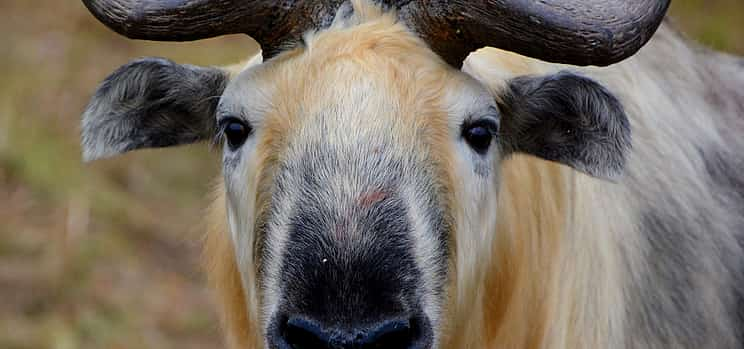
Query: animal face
(361, 172)
(344, 178)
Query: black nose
(303, 333)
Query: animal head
(361, 169)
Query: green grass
(104, 255)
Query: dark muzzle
(291, 332)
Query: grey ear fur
(566, 118)
(151, 102)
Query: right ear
(151, 103)
(567, 118)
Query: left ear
(150, 103)
(566, 118)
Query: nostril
(299, 333)
(303, 333)
(397, 334)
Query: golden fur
(550, 275)
(516, 292)
(359, 50)
(225, 279)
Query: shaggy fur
(651, 262)
(504, 251)
(655, 261)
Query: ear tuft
(569, 119)
(151, 102)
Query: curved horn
(271, 23)
(579, 32)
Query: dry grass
(106, 255)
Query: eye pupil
(479, 137)
(236, 132)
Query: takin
(434, 174)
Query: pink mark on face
(370, 198)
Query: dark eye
(235, 131)
(479, 135)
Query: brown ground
(106, 255)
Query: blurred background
(106, 255)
